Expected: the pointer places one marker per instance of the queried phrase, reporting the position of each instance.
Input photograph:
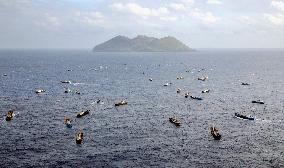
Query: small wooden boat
(67, 122)
(258, 101)
(196, 98)
(10, 115)
(67, 91)
(166, 84)
(186, 94)
(215, 133)
(175, 121)
(205, 91)
(83, 113)
(245, 84)
(179, 77)
(178, 90)
(121, 103)
(244, 116)
(68, 82)
(150, 79)
(40, 91)
(203, 78)
(79, 137)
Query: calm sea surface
(139, 134)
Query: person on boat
(10, 115)
(67, 120)
(79, 137)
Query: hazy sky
(85, 23)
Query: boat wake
(268, 121)
(75, 84)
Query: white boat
(40, 91)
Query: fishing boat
(186, 94)
(150, 79)
(166, 84)
(68, 82)
(178, 90)
(205, 91)
(203, 78)
(40, 91)
(258, 101)
(121, 103)
(244, 116)
(67, 91)
(77, 92)
(196, 98)
(67, 122)
(245, 84)
(79, 137)
(179, 77)
(10, 115)
(83, 113)
(175, 121)
(215, 133)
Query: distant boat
(40, 91)
(175, 121)
(121, 103)
(79, 137)
(215, 133)
(205, 91)
(10, 115)
(150, 79)
(77, 92)
(83, 113)
(196, 98)
(244, 117)
(67, 122)
(68, 82)
(203, 78)
(167, 84)
(67, 91)
(201, 70)
(5, 75)
(186, 94)
(179, 77)
(245, 83)
(258, 101)
(178, 90)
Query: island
(142, 43)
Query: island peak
(142, 43)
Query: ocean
(139, 134)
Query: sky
(78, 24)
